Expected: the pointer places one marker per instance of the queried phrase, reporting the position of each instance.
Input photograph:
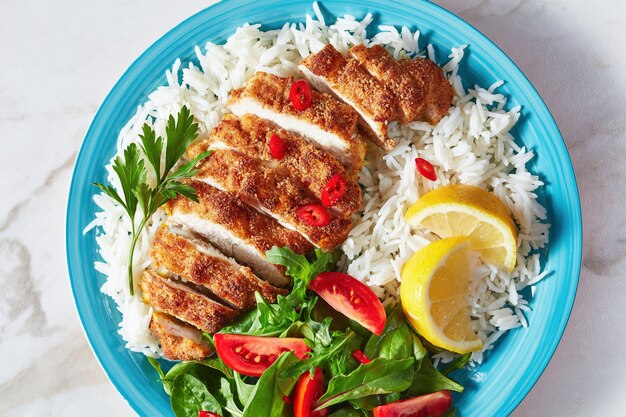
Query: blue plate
(496, 387)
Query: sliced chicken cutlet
(198, 262)
(327, 123)
(440, 93)
(180, 341)
(410, 93)
(251, 136)
(273, 191)
(185, 303)
(329, 71)
(236, 229)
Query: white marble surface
(60, 58)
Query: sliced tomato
(252, 355)
(202, 413)
(429, 405)
(308, 391)
(352, 298)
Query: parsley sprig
(132, 172)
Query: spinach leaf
(381, 376)
(157, 367)
(321, 354)
(348, 412)
(214, 362)
(368, 403)
(266, 398)
(428, 379)
(189, 396)
(394, 342)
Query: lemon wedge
(464, 210)
(434, 294)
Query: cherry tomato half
(334, 189)
(429, 405)
(308, 390)
(252, 355)
(352, 298)
(203, 413)
(313, 215)
(300, 95)
(277, 147)
(426, 169)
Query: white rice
(471, 145)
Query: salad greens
(399, 367)
(132, 174)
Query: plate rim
(576, 208)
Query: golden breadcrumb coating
(410, 93)
(440, 93)
(347, 79)
(228, 281)
(176, 347)
(251, 135)
(185, 303)
(273, 190)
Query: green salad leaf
(189, 395)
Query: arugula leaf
(244, 390)
(132, 173)
(368, 403)
(216, 363)
(189, 396)
(321, 354)
(267, 397)
(381, 376)
(227, 398)
(457, 363)
(157, 366)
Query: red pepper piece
(334, 189)
(360, 356)
(300, 95)
(203, 413)
(426, 169)
(277, 147)
(313, 215)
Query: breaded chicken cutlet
(236, 229)
(327, 123)
(180, 341)
(329, 71)
(196, 261)
(273, 191)
(251, 135)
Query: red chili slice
(334, 189)
(360, 356)
(429, 405)
(426, 169)
(352, 298)
(277, 147)
(300, 95)
(203, 413)
(252, 355)
(308, 390)
(313, 215)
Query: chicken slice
(198, 262)
(327, 123)
(272, 191)
(440, 93)
(236, 229)
(329, 71)
(251, 135)
(410, 93)
(180, 341)
(185, 303)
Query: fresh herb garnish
(132, 174)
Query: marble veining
(66, 57)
